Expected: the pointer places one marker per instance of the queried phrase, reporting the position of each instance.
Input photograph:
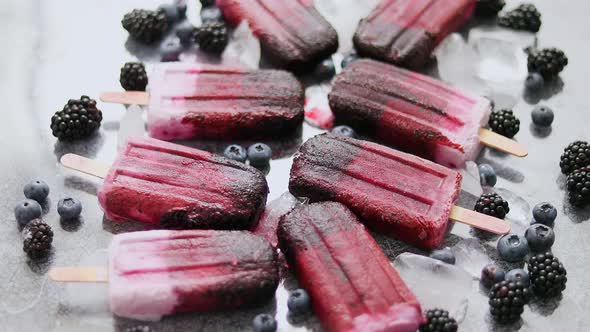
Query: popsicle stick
(479, 220)
(502, 143)
(85, 165)
(78, 274)
(126, 97)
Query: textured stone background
(60, 49)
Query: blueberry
(69, 208)
(487, 175)
(259, 154)
(445, 255)
(37, 190)
(491, 274)
(544, 213)
(171, 12)
(181, 8)
(27, 210)
(513, 248)
(540, 237)
(325, 69)
(344, 131)
(542, 116)
(184, 32)
(519, 275)
(170, 50)
(264, 323)
(534, 82)
(235, 152)
(299, 302)
(348, 59)
(211, 14)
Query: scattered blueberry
(299, 302)
(348, 59)
(171, 12)
(325, 69)
(542, 116)
(259, 154)
(184, 32)
(27, 210)
(170, 50)
(491, 274)
(344, 131)
(513, 248)
(539, 237)
(211, 14)
(445, 255)
(487, 175)
(69, 208)
(264, 323)
(235, 152)
(519, 275)
(181, 8)
(37, 190)
(534, 82)
(545, 213)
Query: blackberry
(144, 25)
(489, 8)
(37, 238)
(524, 17)
(79, 118)
(212, 37)
(578, 185)
(492, 205)
(507, 300)
(504, 122)
(547, 274)
(548, 62)
(575, 156)
(438, 320)
(133, 76)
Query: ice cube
(520, 214)
(243, 48)
(457, 62)
(521, 39)
(268, 224)
(471, 256)
(317, 108)
(471, 182)
(131, 124)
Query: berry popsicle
(395, 193)
(177, 187)
(158, 273)
(197, 101)
(293, 34)
(352, 284)
(405, 32)
(415, 113)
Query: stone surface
(56, 50)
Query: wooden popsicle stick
(78, 274)
(126, 97)
(502, 143)
(85, 165)
(479, 220)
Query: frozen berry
(259, 154)
(27, 210)
(211, 14)
(487, 175)
(38, 237)
(491, 274)
(69, 208)
(438, 320)
(493, 205)
(37, 190)
(542, 116)
(519, 275)
(299, 302)
(513, 248)
(184, 32)
(235, 152)
(545, 213)
(325, 69)
(348, 59)
(344, 131)
(444, 255)
(547, 274)
(170, 50)
(171, 12)
(540, 237)
(264, 323)
(534, 82)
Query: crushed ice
(131, 124)
(243, 48)
(471, 182)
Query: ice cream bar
(395, 193)
(352, 284)
(196, 101)
(410, 111)
(174, 186)
(405, 32)
(157, 273)
(293, 34)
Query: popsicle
(392, 192)
(415, 113)
(197, 101)
(352, 284)
(293, 34)
(158, 273)
(176, 187)
(405, 32)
